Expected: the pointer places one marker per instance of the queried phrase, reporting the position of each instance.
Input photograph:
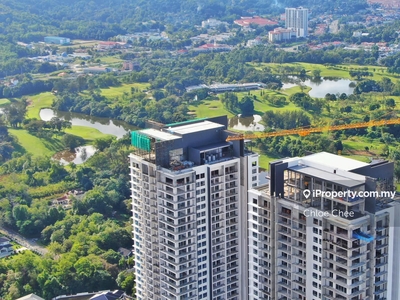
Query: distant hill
(29, 20)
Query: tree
(103, 143)
(316, 73)
(391, 103)
(72, 141)
(338, 145)
(126, 280)
(247, 106)
(15, 113)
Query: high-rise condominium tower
(189, 197)
(311, 245)
(297, 19)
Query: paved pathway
(27, 243)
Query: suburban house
(102, 295)
(126, 253)
(5, 247)
(31, 297)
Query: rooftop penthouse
(183, 145)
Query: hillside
(29, 21)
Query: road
(27, 243)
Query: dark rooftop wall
(276, 178)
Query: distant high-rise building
(306, 245)
(297, 19)
(189, 201)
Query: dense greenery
(84, 239)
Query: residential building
(213, 48)
(108, 45)
(189, 188)
(212, 23)
(255, 42)
(126, 253)
(305, 245)
(247, 21)
(281, 34)
(6, 248)
(57, 40)
(297, 19)
(130, 66)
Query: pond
(80, 155)
(319, 88)
(104, 125)
(251, 123)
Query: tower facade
(309, 245)
(189, 198)
(297, 20)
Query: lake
(251, 123)
(80, 155)
(104, 125)
(319, 88)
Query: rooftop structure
(57, 40)
(227, 87)
(31, 297)
(247, 21)
(306, 244)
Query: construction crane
(307, 131)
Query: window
(315, 293)
(254, 201)
(254, 163)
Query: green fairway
(339, 71)
(212, 108)
(110, 59)
(113, 92)
(208, 108)
(36, 146)
(87, 133)
(49, 146)
(37, 102)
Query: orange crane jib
(307, 131)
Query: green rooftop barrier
(140, 141)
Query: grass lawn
(113, 92)
(340, 71)
(110, 59)
(4, 102)
(49, 146)
(356, 146)
(265, 159)
(212, 108)
(36, 146)
(208, 108)
(87, 133)
(39, 101)
(261, 106)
